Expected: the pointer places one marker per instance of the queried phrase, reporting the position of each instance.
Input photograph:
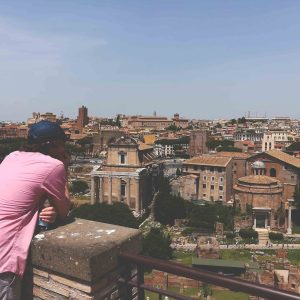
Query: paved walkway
(255, 246)
(191, 247)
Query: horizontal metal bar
(157, 290)
(210, 277)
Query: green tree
(75, 150)
(206, 290)
(157, 244)
(86, 141)
(173, 127)
(8, 145)
(248, 234)
(205, 216)
(118, 121)
(78, 186)
(241, 120)
(213, 144)
(297, 197)
(167, 207)
(117, 213)
(228, 149)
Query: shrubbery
(275, 236)
(157, 244)
(230, 235)
(117, 213)
(248, 234)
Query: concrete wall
(79, 261)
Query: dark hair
(43, 148)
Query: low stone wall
(79, 261)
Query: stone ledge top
(84, 250)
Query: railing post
(140, 280)
(125, 289)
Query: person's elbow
(63, 209)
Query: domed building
(264, 195)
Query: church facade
(129, 175)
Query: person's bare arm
(56, 188)
(62, 207)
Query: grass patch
(183, 257)
(229, 295)
(236, 254)
(296, 229)
(294, 256)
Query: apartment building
(214, 177)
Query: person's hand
(48, 214)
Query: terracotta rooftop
(258, 179)
(232, 154)
(150, 139)
(291, 160)
(143, 146)
(209, 161)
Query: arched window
(273, 172)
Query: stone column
(254, 221)
(109, 190)
(92, 190)
(81, 271)
(128, 191)
(97, 190)
(266, 220)
(137, 199)
(119, 193)
(289, 229)
(101, 189)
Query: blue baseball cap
(45, 131)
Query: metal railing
(234, 284)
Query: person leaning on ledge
(27, 179)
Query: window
(204, 178)
(122, 157)
(212, 187)
(221, 188)
(212, 169)
(123, 188)
(204, 195)
(212, 179)
(221, 179)
(221, 197)
(220, 170)
(202, 168)
(195, 168)
(273, 172)
(204, 185)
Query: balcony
(88, 260)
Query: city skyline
(204, 59)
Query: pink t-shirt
(26, 179)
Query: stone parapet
(79, 261)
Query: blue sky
(203, 59)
